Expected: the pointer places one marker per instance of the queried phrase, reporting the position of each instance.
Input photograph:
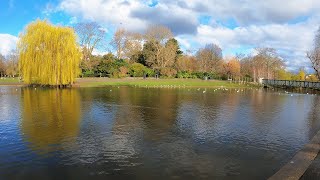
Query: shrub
(168, 72)
(184, 74)
(137, 70)
(202, 75)
(123, 71)
(149, 72)
(88, 73)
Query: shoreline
(152, 82)
(149, 82)
(300, 162)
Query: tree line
(314, 54)
(9, 64)
(153, 53)
(157, 52)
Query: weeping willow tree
(48, 54)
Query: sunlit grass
(97, 82)
(94, 82)
(8, 80)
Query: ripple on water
(153, 133)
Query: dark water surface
(156, 133)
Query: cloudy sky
(237, 26)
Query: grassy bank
(10, 81)
(96, 82)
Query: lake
(151, 133)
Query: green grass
(95, 82)
(9, 80)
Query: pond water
(158, 133)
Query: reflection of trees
(141, 109)
(266, 106)
(49, 116)
(314, 117)
(164, 113)
(159, 110)
(205, 113)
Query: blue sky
(236, 26)
(14, 14)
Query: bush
(224, 77)
(184, 74)
(137, 70)
(120, 73)
(88, 73)
(202, 75)
(168, 72)
(123, 71)
(199, 75)
(113, 68)
(149, 72)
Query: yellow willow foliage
(49, 55)
(49, 117)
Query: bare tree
(232, 68)
(168, 54)
(266, 63)
(12, 64)
(133, 46)
(314, 54)
(158, 33)
(210, 58)
(156, 48)
(314, 57)
(187, 63)
(2, 65)
(118, 41)
(91, 36)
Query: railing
(287, 83)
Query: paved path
(313, 171)
(302, 162)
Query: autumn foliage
(48, 54)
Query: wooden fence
(293, 84)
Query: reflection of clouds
(9, 104)
(191, 117)
(112, 135)
(181, 157)
(126, 133)
(179, 154)
(208, 117)
(267, 125)
(121, 146)
(107, 147)
(5, 109)
(314, 116)
(185, 135)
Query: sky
(237, 26)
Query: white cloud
(99, 52)
(291, 40)
(7, 43)
(288, 27)
(248, 11)
(112, 12)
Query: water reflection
(314, 116)
(49, 117)
(158, 133)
